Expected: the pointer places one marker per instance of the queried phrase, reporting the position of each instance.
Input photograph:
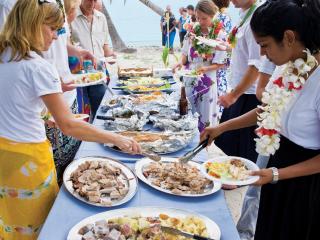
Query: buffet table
(68, 211)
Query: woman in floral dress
(202, 89)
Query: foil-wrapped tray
(160, 142)
(175, 123)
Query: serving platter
(208, 187)
(134, 72)
(220, 170)
(164, 216)
(159, 142)
(141, 89)
(88, 79)
(126, 179)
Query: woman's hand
(85, 54)
(227, 100)
(211, 133)
(127, 144)
(176, 67)
(203, 70)
(265, 176)
(67, 86)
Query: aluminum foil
(126, 118)
(175, 142)
(176, 124)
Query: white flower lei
(276, 99)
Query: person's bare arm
(248, 79)
(212, 67)
(305, 168)
(246, 120)
(262, 83)
(80, 53)
(108, 52)
(83, 130)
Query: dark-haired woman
(288, 33)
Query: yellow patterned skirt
(28, 187)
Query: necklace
(203, 50)
(277, 98)
(232, 38)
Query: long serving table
(68, 211)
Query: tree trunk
(153, 7)
(117, 43)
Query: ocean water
(140, 26)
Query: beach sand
(151, 57)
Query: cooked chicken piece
(114, 234)
(94, 164)
(88, 236)
(85, 229)
(95, 199)
(115, 194)
(107, 190)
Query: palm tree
(117, 42)
(153, 7)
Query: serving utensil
(153, 156)
(182, 233)
(191, 154)
(105, 118)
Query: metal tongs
(174, 231)
(152, 155)
(191, 154)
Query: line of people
(35, 43)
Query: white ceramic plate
(111, 60)
(209, 42)
(77, 76)
(249, 164)
(212, 228)
(140, 165)
(126, 171)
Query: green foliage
(165, 56)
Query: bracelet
(275, 175)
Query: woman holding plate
(28, 184)
(202, 89)
(288, 33)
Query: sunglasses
(46, 1)
(61, 30)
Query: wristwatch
(275, 175)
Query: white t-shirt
(5, 8)
(57, 54)
(22, 84)
(91, 37)
(266, 66)
(246, 53)
(301, 121)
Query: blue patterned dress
(222, 72)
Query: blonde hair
(207, 7)
(22, 31)
(69, 4)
